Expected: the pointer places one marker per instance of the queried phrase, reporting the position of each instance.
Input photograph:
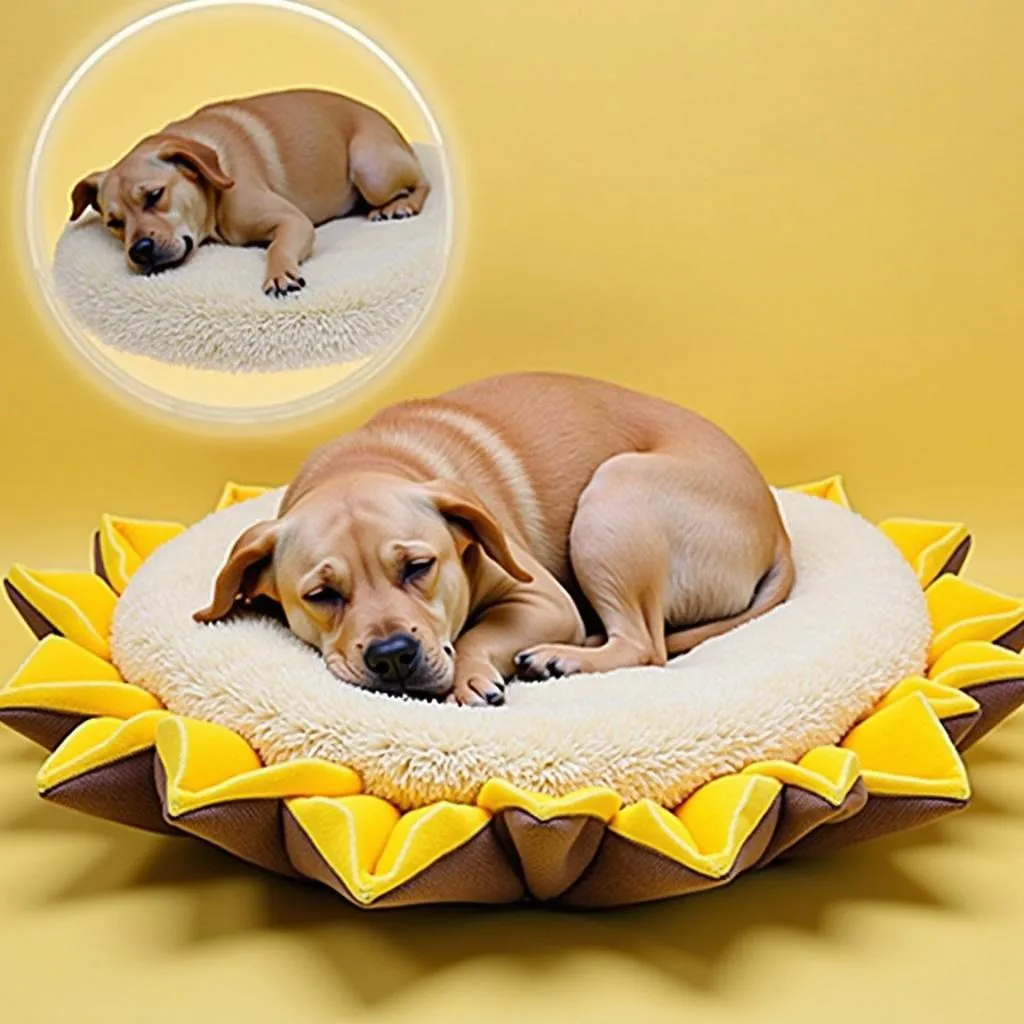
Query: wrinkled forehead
(370, 527)
(128, 182)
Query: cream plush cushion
(855, 625)
(367, 285)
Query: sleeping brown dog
(261, 170)
(447, 545)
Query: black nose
(394, 658)
(141, 252)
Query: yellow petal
(831, 489)
(55, 659)
(595, 802)
(927, 546)
(708, 832)
(78, 604)
(904, 751)
(975, 663)
(98, 742)
(207, 764)
(126, 543)
(945, 701)
(422, 836)
(962, 611)
(114, 700)
(828, 772)
(372, 848)
(235, 493)
(61, 676)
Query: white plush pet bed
(367, 284)
(800, 677)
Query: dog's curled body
(320, 151)
(583, 494)
(260, 170)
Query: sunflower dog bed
(837, 717)
(368, 283)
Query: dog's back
(294, 141)
(528, 444)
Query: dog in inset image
(263, 170)
(453, 543)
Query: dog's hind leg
(656, 539)
(388, 177)
(404, 205)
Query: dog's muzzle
(148, 257)
(394, 659)
(397, 665)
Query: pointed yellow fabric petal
(723, 813)
(708, 832)
(61, 676)
(652, 825)
(126, 543)
(207, 764)
(372, 848)
(234, 493)
(422, 836)
(828, 772)
(112, 700)
(98, 742)
(594, 802)
(963, 611)
(197, 755)
(831, 489)
(904, 751)
(975, 663)
(945, 701)
(350, 833)
(79, 604)
(55, 659)
(926, 545)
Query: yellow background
(804, 219)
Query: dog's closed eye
(416, 568)
(115, 224)
(324, 596)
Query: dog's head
(158, 201)
(376, 572)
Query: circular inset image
(239, 210)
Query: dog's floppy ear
(461, 507)
(86, 194)
(248, 572)
(196, 159)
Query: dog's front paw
(478, 685)
(283, 282)
(546, 661)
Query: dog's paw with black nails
(285, 282)
(545, 662)
(478, 685)
(397, 209)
